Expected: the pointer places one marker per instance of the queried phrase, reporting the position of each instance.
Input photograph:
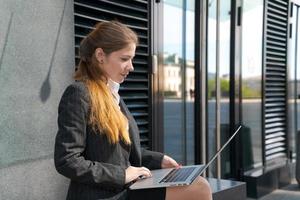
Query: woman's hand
(168, 162)
(133, 173)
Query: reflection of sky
(252, 33)
(252, 42)
(224, 45)
(173, 19)
(292, 75)
(173, 35)
(298, 46)
(224, 37)
(294, 59)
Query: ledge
(260, 183)
(227, 189)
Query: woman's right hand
(133, 173)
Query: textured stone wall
(36, 65)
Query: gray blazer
(95, 167)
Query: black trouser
(147, 194)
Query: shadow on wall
(46, 87)
(37, 61)
(6, 38)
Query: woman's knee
(202, 186)
(200, 189)
(201, 181)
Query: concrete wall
(36, 65)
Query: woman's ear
(100, 55)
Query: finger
(142, 177)
(146, 171)
(174, 163)
(178, 166)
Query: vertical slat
(135, 14)
(275, 72)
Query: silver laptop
(176, 177)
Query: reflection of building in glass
(173, 76)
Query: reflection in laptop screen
(180, 174)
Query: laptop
(176, 176)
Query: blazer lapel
(135, 154)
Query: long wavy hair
(105, 115)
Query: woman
(97, 145)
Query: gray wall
(36, 65)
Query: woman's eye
(124, 59)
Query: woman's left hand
(168, 162)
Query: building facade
(202, 68)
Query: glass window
(211, 84)
(252, 82)
(218, 70)
(190, 80)
(179, 69)
(292, 81)
(297, 66)
(224, 72)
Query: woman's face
(117, 64)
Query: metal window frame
(236, 158)
(200, 81)
(157, 75)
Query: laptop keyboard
(177, 175)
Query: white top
(114, 88)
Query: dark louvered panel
(275, 79)
(135, 14)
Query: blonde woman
(97, 144)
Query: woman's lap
(147, 194)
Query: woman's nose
(130, 66)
